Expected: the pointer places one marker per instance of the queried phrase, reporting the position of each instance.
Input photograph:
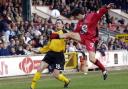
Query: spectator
(12, 44)
(67, 27)
(13, 51)
(71, 47)
(20, 51)
(116, 45)
(103, 47)
(110, 44)
(28, 49)
(126, 29)
(3, 49)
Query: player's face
(59, 25)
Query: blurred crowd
(19, 37)
(119, 4)
(71, 8)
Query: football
(55, 13)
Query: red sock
(100, 65)
(54, 36)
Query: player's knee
(92, 57)
(39, 69)
(93, 60)
(42, 66)
(56, 73)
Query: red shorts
(89, 43)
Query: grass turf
(94, 80)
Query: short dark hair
(60, 20)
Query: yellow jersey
(56, 45)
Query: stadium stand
(119, 4)
(19, 37)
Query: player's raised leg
(97, 63)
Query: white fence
(23, 65)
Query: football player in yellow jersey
(54, 58)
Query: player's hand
(110, 5)
(48, 34)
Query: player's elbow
(70, 35)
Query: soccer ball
(55, 13)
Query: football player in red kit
(86, 32)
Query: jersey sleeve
(101, 12)
(45, 48)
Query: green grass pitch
(94, 80)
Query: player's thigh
(91, 49)
(56, 61)
(43, 65)
(56, 72)
(47, 59)
(59, 61)
(89, 45)
(92, 56)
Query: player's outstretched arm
(71, 35)
(60, 36)
(110, 5)
(103, 10)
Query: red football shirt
(87, 26)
